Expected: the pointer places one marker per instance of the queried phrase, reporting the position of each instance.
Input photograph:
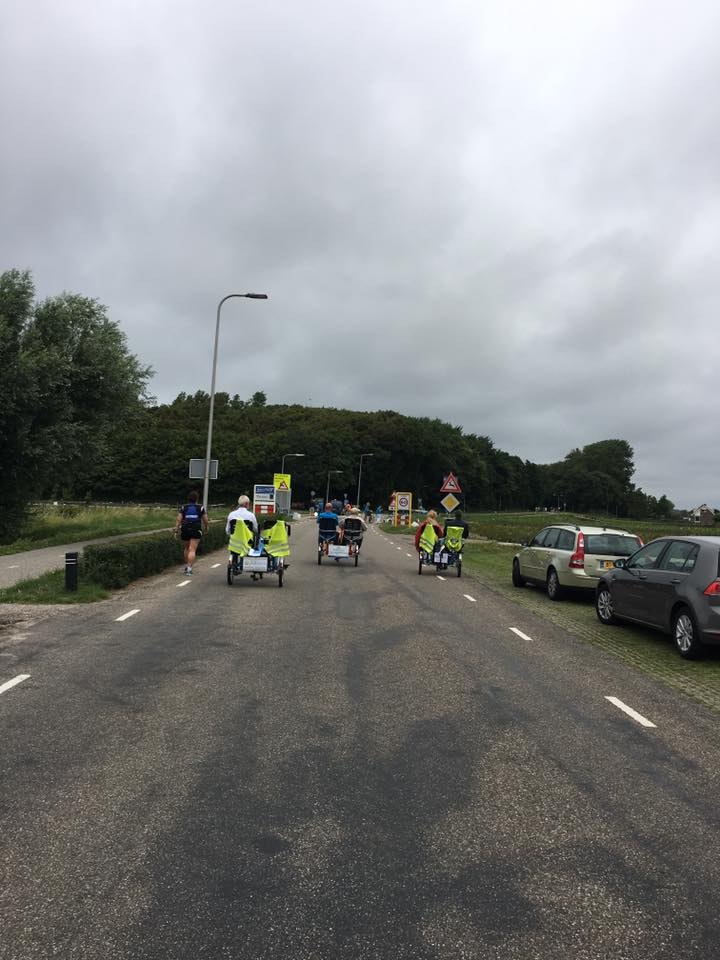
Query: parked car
(569, 556)
(671, 584)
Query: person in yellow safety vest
(241, 540)
(275, 536)
(428, 533)
(456, 532)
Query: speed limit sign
(403, 502)
(403, 508)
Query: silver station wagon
(567, 555)
(671, 584)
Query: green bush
(117, 564)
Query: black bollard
(71, 571)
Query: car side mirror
(523, 543)
(621, 563)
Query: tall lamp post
(282, 468)
(327, 488)
(249, 296)
(357, 500)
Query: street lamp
(357, 500)
(282, 468)
(327, 488)
(249, 296)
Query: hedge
(118, 563)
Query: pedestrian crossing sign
(281, 482)
(450, 485)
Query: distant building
(703, 515)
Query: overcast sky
(503, 214)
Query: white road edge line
(441, 578)
(183, 583)
(519, 633)
(216, 565)
(643, 721)
(468, 597)
(14, 682)
(126, 616)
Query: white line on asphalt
(630, 712)
(441, 578)
(468, 597)
(126, 616)
(183, 583)
(14, 682)
(523, 636)
(409, 555)
(398, 548)
(13, 566)
(215, 566)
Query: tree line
(76, 423)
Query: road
(364, 764)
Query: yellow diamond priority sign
(450, 502)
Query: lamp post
(282, 468)
(327, 488)
(357, 501)
(249, 296)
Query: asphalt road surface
(364, 764)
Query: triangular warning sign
(451, 485)
(283, 486)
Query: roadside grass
(648, 651)
(519, 527)
(49, 525)
(50, 588)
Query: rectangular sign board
(264, 493)
(197, 469)
(282, 482)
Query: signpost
(263, 498)
(197, 470)
(450, 487)
(403, 509)
(282, 492)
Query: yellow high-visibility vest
(454, 539)
(241, 539)
(428, 538)
(276, 540)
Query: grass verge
(50, 588)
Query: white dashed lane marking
(409, 555)
(215, 566)
(183, 583)
(519, 633)
(9, 684)
(468, 597)
(643, 721)
(126, 616)
(441, 578)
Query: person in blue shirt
(327, 521)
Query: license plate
(255, 564)
(440, 558)
(606, 564)
(338, 550)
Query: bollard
(71, 571)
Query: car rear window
(611, 544)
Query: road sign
(282, 482)
(450, 502)
(197, 469)
(263, 498)
(450, 485)
(403, 508)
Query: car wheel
(604, 607)
(517, 578)
(553, 586)
(685, 634)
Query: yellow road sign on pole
(281, 482)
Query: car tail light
(577, 560)
(713, 590)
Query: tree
(68, 379)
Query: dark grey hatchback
(672, 584)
